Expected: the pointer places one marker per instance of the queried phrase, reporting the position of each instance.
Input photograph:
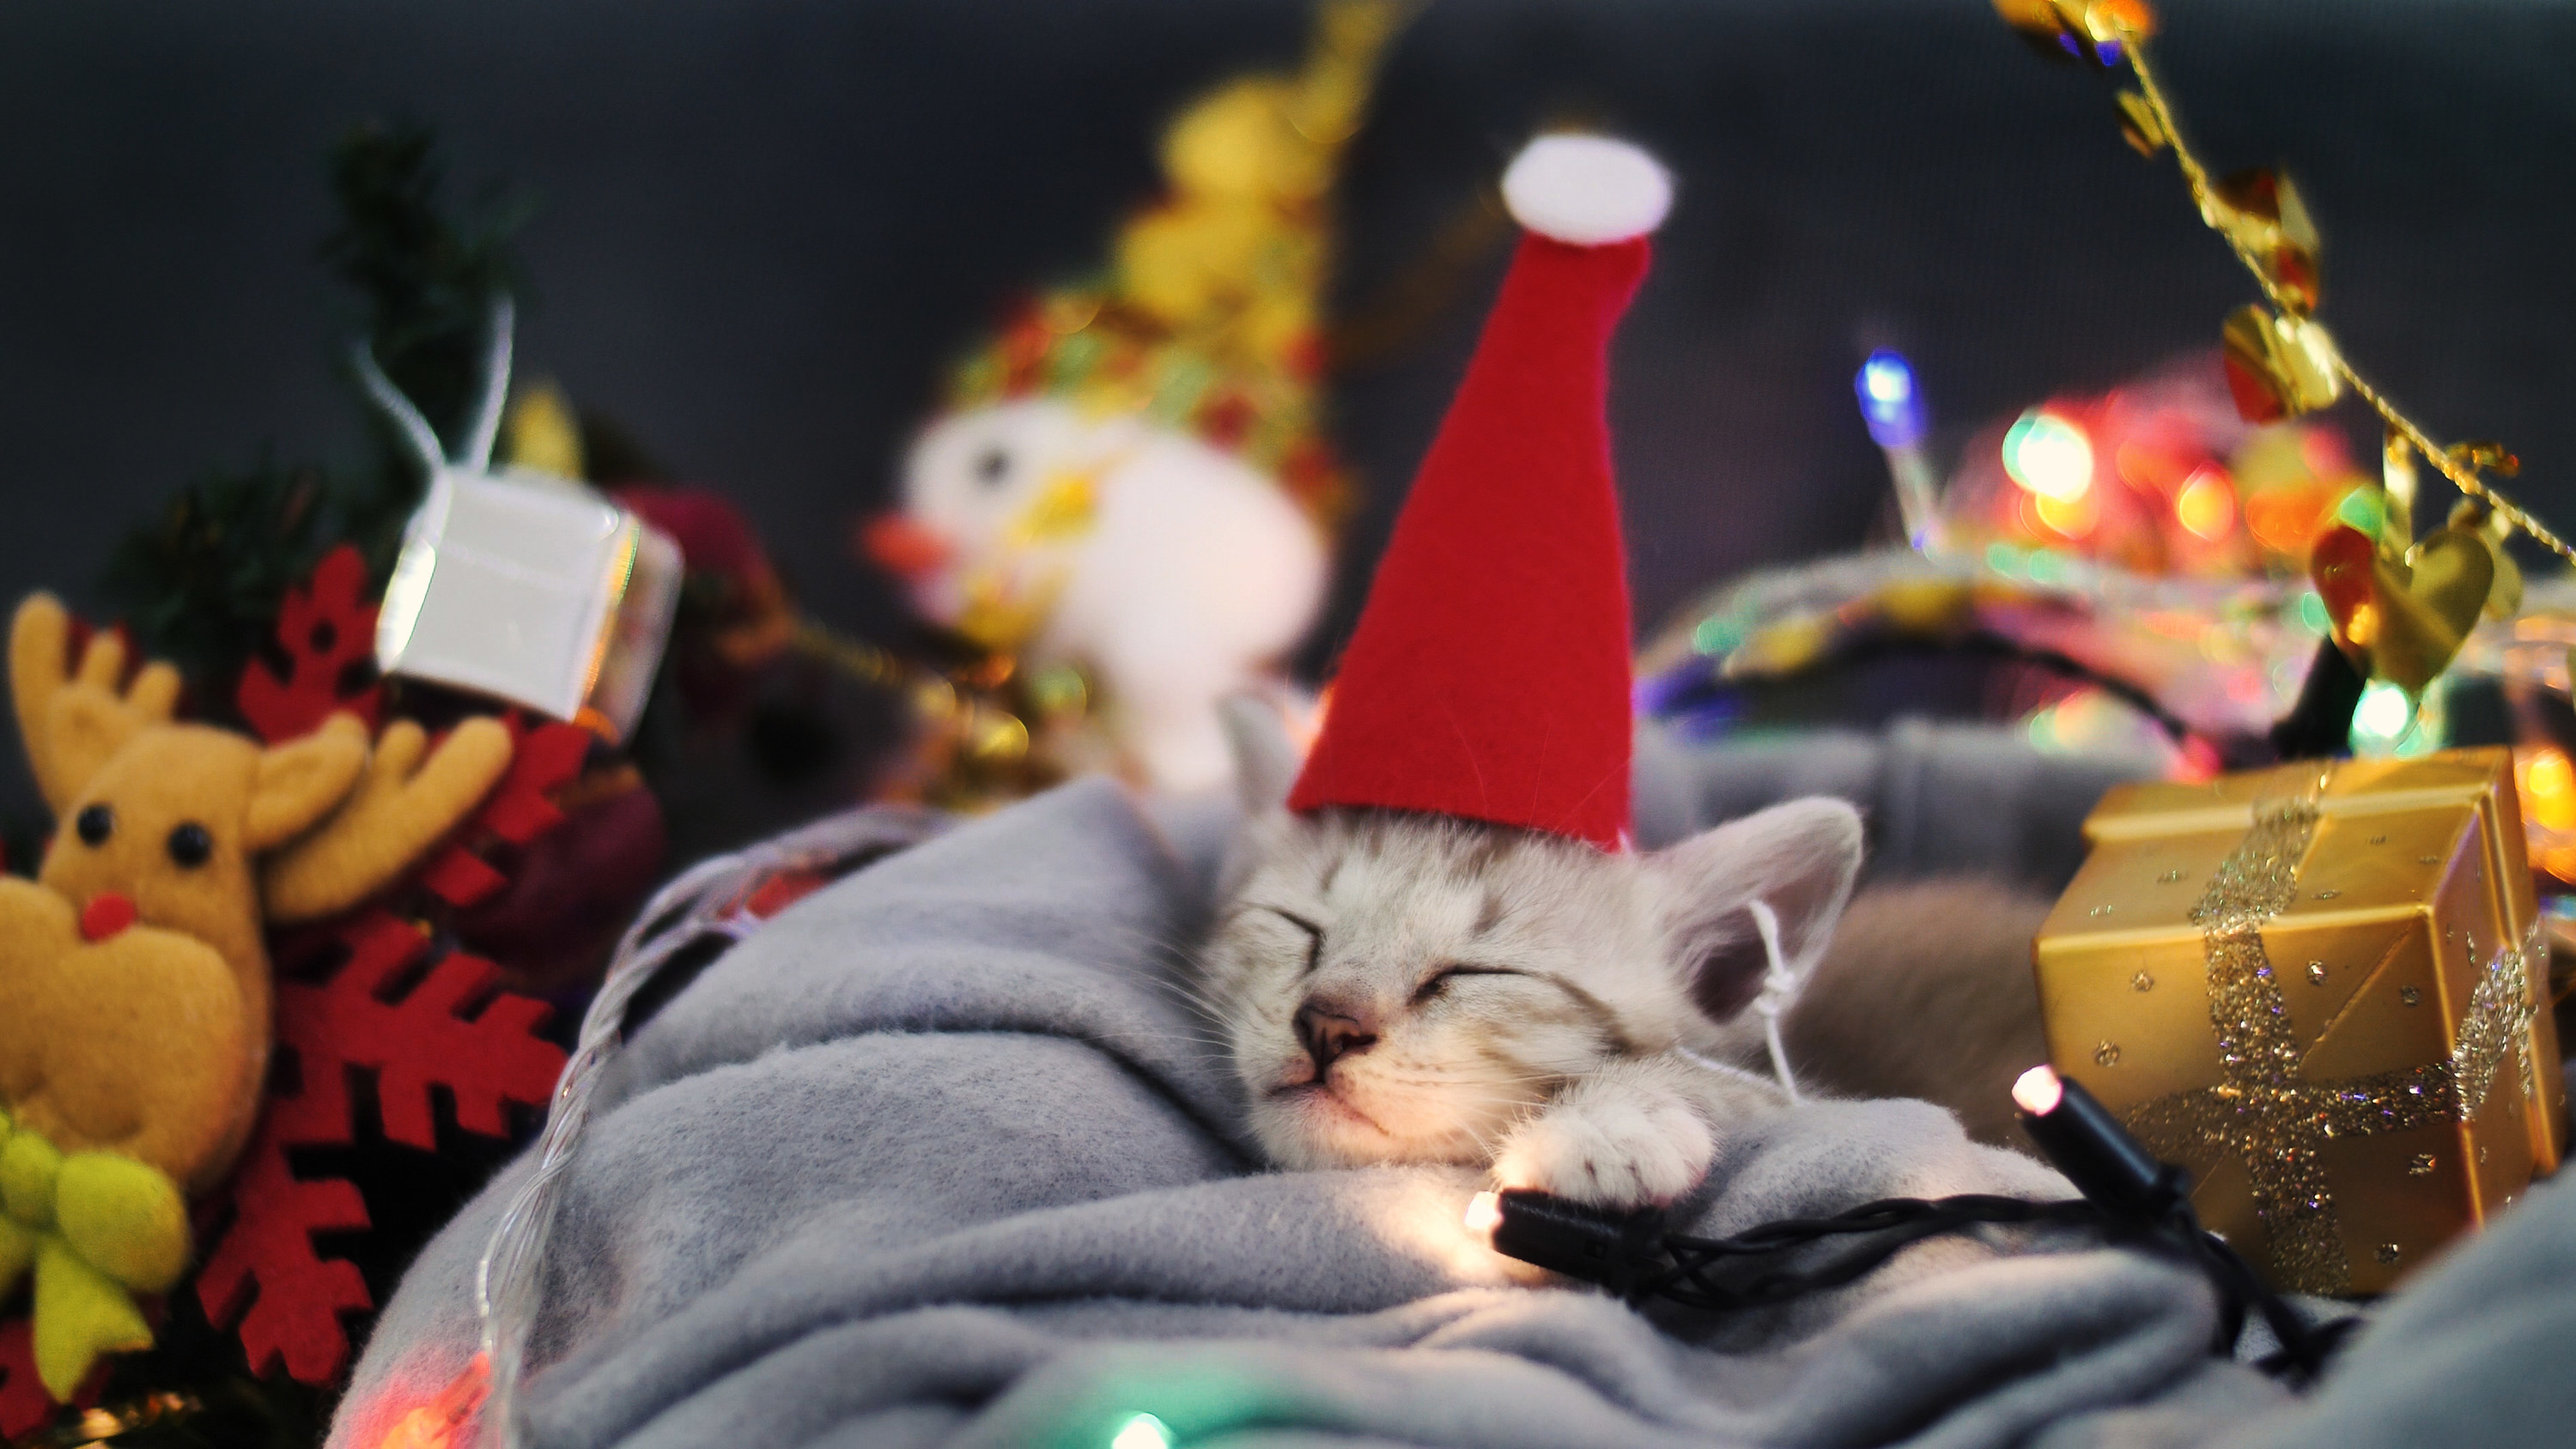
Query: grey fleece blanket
(942, 1157)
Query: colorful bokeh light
(2207, 504)
(2548, 784)
(2073, 517)
(2360, 510)
(1142, 1431)
(1888, 400)
(2286, 520)
(2049, 455)
(2382, 719)
(2312, 612)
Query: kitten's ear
(1798, 858)
(1265, 760)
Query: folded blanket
(1940, 798)
(945, 1156)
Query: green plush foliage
(200, 584)
(426, 274)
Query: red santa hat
(1489, 677)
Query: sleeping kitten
(1397, 987)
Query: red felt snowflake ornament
(329, 633)
(543, 760)
(265, 1270)
(452, 1029)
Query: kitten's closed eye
(1314, 933)
(1439, 980)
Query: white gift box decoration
(529, 587)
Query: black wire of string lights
(2130, 1199)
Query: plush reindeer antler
(73, 720)
(402, 805)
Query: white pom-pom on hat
(1587, 191)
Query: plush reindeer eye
(991, 466)
(95, 825)
(191, 844)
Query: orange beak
(903, 547)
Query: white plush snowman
(1169, 570)
(1131, 477)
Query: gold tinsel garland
(2281, 348)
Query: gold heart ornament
(2278, 366)
(2505, 599)
(2405, 617)
(2261, 211)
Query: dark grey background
(768, 224)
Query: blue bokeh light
(1888, 400)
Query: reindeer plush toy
(134, 981)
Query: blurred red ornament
(735, 615)
(2341, 566)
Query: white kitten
(1398, 987)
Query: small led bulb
(2038, 1090)
(1143, 1431)
(2082, 1139)
(1484, 1214)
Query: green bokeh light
(1717, 634)
(2361, 508)
(1141, 1431)
(2312, 611)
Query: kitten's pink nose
(1330, 1032)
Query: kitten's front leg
(1633, 1133)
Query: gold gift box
(2322, 989)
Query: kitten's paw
(1627, 1151)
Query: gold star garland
(2278, 355)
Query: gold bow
(97, 1228)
